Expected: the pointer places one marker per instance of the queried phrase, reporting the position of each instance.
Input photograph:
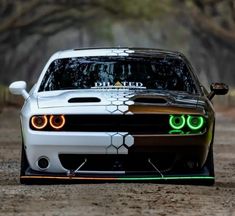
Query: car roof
(118, 51)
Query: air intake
(84, 100)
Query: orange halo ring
(36, 126)
(57, 126)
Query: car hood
(107, 97)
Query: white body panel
(50, 144)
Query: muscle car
(118, 114)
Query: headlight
(39, 122)
(57, 121)
(177, 122)
(195, 122)
(183, 122)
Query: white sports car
(117, 114)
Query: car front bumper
(52, 144)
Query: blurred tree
(213, 23)
(213, 17)
(23, 18)
(33, 22)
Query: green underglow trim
(174, 124)
(166, 178)
(194, 126)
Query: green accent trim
(166, 178)
(194, 126)
(176, 132)
(174, 124)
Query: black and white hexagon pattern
(119, 102)
(120, 142)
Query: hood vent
(150, 100)
(84, 100)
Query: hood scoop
(84, 100)
(150, 100)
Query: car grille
(118, 123)
(130, 162)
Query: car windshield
(118, 72)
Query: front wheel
(209, 164)
(23, 165)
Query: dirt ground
(117, 199)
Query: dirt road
(117, 199)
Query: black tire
(210, 162)
(210, 166)
(23, 165)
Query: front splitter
(189, 180)
(201, 177)
(150, 178)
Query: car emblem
(118, 84)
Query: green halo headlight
(177, 122)
(195, 122)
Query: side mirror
(218, 89)
(19, 88)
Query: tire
(210, 162)
(210, 166)
(23, 165)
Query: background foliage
(31, 30)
